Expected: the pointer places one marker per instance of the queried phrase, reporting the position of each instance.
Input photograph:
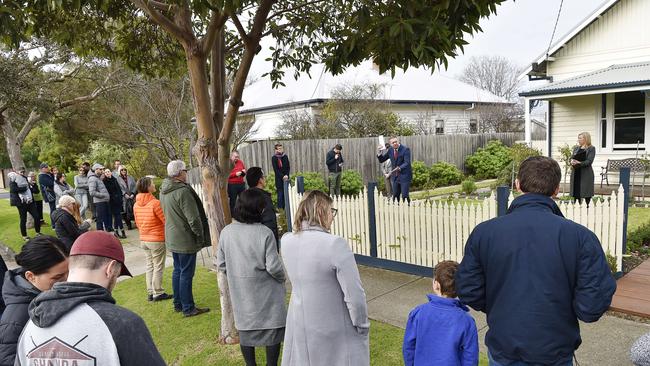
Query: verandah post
(287, 205)
(503, 192)
(624, 179)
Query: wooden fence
(360, 153)
(426, 233)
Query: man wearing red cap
(77, 322)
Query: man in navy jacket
(535, 274)
(400, 160)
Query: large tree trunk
(11, 140)
(206, 153)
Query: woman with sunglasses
(327, 321)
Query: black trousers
(22, 212)
(233, 192)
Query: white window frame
(622, 149)
(442, 126)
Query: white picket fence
(425, 233)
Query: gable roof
(417, 86)
(615, 76)
(595, 15)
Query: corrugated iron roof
(615, 76)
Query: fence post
(624, 179)
(372, 222)
(300, 184)
(503, 192)
(287, 205)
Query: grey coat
(62, 190)
(127, 188)
(248, 255)
(97, 189)
(327, 322)
(81, 184)
(586, 174)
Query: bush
(313, 181)
(639, 240)
(469, 186)
(269, 186)
(421, 175)
(490, 161)
(518, 153)
(351, 183)
(443, 174)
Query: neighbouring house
(440, 103)
(598, 80)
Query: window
(603, 121)
(440, 127)
(473, 126)
(629, 121)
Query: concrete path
(392, 295)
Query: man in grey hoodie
(78, 323)
(100, 197)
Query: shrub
(639, 240)
(444, 174)
(351, 183)
(518, 153)
(269, 186)
(421, 175)
(469, 186)
(489, 161)
(313, 181)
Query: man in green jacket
(186, 233)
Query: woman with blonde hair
(327, 320)
(582, 174)
(67, 221)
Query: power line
(555, 27)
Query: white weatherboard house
(447, 105)
(599, 77)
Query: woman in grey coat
(327, 322)
(129, 190)
(249, 258)
(81, 190)
(582, 174)
(61, 187)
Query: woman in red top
(150, 220)
(236, 179)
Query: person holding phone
(582, 173)
(236, 183)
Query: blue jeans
(103, 216)
(492, 362)
(184, 266)
(279, 187)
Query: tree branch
(161, 5)
(240, 28)
(32, 120)
(216, 24)
(284, 11)
(163, 21)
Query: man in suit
(281, 168)
(401, 174)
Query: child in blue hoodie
(441, 332)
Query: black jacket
(3, 270)
(46, 181)
(66, 227)
(17, 293)
(121, 335)
(534, 273)
(114, 190)
(14, 198)
(269, 219)
(333, 165)
(280, 172)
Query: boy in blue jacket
(441, 332)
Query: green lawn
(636, 217)
(193, 341)
(10, 230)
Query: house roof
(414, 86)
(615, 76)
(596, 14)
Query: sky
(520, 31)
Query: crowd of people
(534, 273)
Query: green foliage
(489, 161)
(351, 182)
(611, 262)
(313, 181)
(103, 152)
(468, 186)
(444, 174)
(269, 186)
(638, 241)
(518, 153)
(421, 175)
(58, 143)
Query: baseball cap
(44, 165)
(97, 166)
(101, 244)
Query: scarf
(279, 156)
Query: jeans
(155, 257)
(22, 212)
(492, 362)
(103, 216)
(335, 183)
(184, 266)
(116, 213)
(400, 188)
(39, 210)
(279, 187)
(52, 208)
(83, 203)
(233, 192)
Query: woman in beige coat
(327, 321)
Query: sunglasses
(334, 211)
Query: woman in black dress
(582, 174)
